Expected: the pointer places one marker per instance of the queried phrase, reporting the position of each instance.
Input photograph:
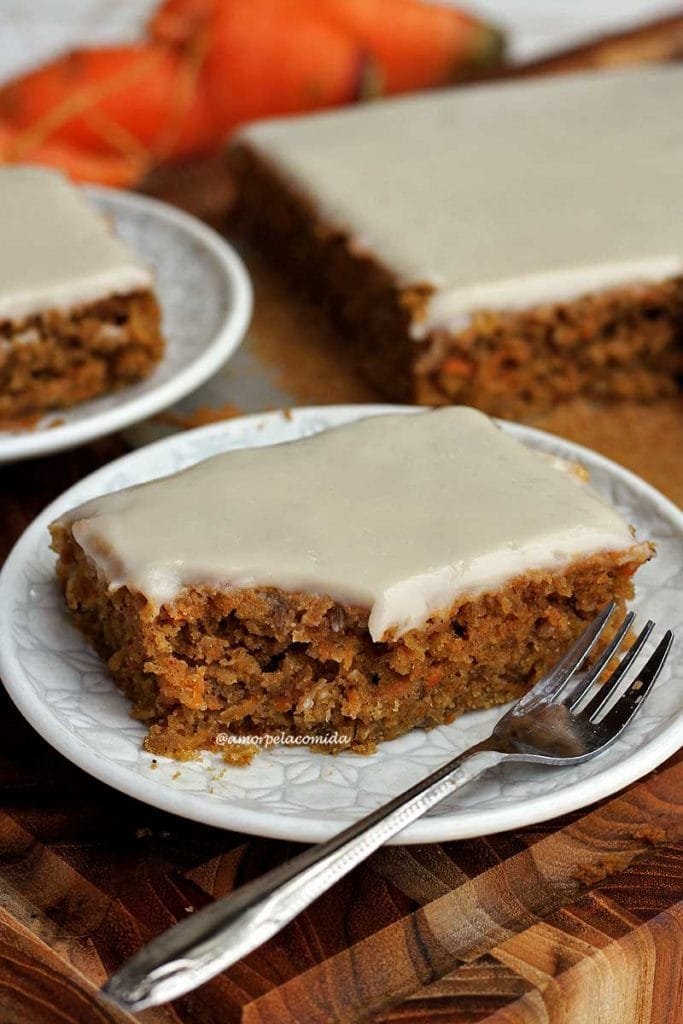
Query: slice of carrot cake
(508, 246)
(78, 315)
(379, 576)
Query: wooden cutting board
(576, 921)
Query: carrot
(7, 137)
(114, 170)
(178, 21)
(211, 65)
(457, 367)
(416, 45)
(270, 57)
(433, 678)
(79, 165)
(131, 100)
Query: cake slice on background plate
(388, 574)
(508, 246)
(78, 315)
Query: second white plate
(64, 690)
(206, 300)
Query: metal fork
(549, 725)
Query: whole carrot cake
(78, 315)
(373, 578)
(504, 246)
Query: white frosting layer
(398, 513)
(501, 196)
(56, 251)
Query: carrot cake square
(385, 575)
(508, 246)
(78, 315)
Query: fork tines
(607, 708)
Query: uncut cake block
(78, 315)
(373, 578)
(507, 246)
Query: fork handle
(212, 939)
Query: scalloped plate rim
(17, 445)
(211, 809)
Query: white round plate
(205, 297)
(66, 694)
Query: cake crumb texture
(257, 661)
(55, 359)
(611, 347)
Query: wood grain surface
(579, 920)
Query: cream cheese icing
(399, 513)
(56, 251)
(501, 196)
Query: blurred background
(31, 32)
(145, 94)
(110, 91)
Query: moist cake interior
(78, 314)
(437, 232)
(193, 598)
